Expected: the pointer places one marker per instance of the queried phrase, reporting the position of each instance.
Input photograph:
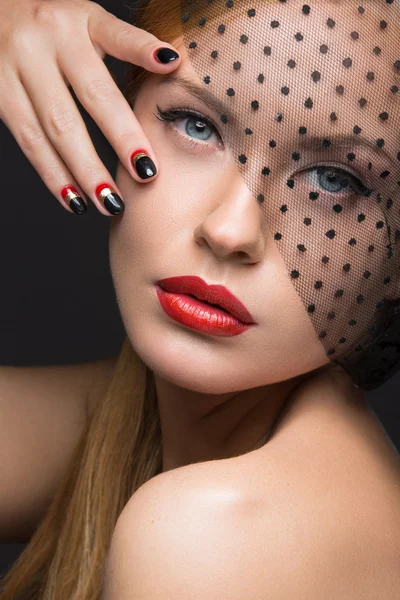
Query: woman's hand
(47, 45)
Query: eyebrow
(341, 141)
(307, 141)
(201, 93)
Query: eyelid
(358, 187)
(342, 167)
(170, 115)
(192, 112)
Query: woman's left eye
(197, 125)
(335, 180)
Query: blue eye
(335, 180)
(197, 125)
(329, 178)
(194, 126)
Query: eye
(197, 126)
(329, 178)
(335, 180)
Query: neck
(198, 427)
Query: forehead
(336, 29)
(341, 55)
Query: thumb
(126, 42)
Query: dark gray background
(58, 304)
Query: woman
(249, 414)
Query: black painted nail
(143, 164)
(112, 202)
(78, 205)
(165, 55)
(71, 195)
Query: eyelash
(172, 114)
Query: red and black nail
(143, 164)
(74, 200)
(112, 202)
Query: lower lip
(199, 315)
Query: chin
(188, 361)
(201, 367)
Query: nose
(234, 228)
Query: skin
(218, 396)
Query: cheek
(290, 334)
(147, 241)
(163, 210)
(145, 215)
(163, 215)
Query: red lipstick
(189, 300)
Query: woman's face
(199, 217)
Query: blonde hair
(120, 448)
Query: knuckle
(61, 119)
(50, 172)
(30, 137)
(146, 45)
(13, 32)
(125, 33)
(138, 40)
(47, 13)
(22, 40)
(125, 139)
(100, 90)
(89, 170)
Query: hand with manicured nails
(48, 45)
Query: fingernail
(112, 202)
(74, 200)
(165, 55)
(143, 164)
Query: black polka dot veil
(309, 106)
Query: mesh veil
(309, 106)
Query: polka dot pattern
(313, 90)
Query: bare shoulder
(313, 514)
(197, 528)
(334, 475)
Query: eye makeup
(354, 182)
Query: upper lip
(214, 294)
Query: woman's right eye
(196, 125)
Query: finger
(66, 130)
(19, 116)
(129, 43)
(100, 96)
